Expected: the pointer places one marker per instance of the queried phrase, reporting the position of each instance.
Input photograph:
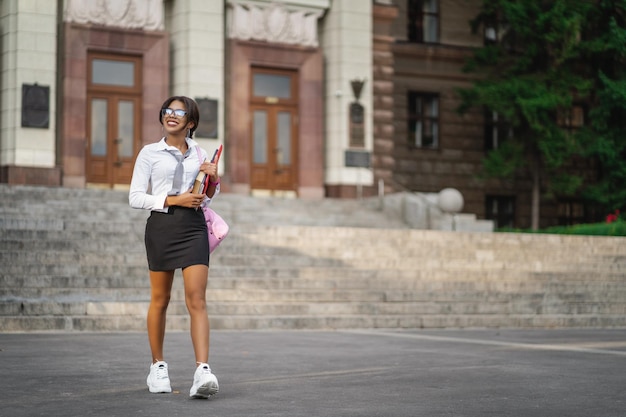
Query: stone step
(322, 308)
(26, 260)
(111, 302)
(230, 322)
(426, 293)
(87, 204)
(122, 288)
(75, 260)
(335, 278)
(395, 242)
(15, 249)
(436, 241)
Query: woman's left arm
(214, 187)
(210, 169)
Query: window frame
(494, 126)
(415, 115)
(136, 88)
(417, 18)
(571, 212)
(260, 70)
(501, 216)
(494, 32)
(571, 122)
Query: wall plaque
(358, 159)
(35, 106)
(207, 128)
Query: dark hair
(193, 114)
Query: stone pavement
(572, 372)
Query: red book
(201, 184)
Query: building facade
(310, 98)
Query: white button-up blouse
(153, 174)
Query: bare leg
(195, 278)
(161, 288)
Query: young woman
(176, 236)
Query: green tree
(603, 49)
(544, 57)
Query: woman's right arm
(138, 196)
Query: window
(490, 35)
(271, 85)
(496, 31)
(119, 73)
(423, 21)
(115, 73)
(571, 212)
(423, 118)
(497, 130)
(500, 209)
(493, 32)
(572, 119)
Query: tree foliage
(547, 57)
(605, 137)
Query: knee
(195, 302)
(160, 301)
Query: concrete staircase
(74, 260)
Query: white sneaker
(204, 383)
(158, 378)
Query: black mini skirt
(176, 239)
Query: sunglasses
(171, 112)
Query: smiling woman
(176, 235)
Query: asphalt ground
(573, 372)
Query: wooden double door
(113, 119)
(113, 129)
(274, 132)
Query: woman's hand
(210, 169)
(186, 199)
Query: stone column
(28, 91)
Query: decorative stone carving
(128, 14)
(275, 24)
